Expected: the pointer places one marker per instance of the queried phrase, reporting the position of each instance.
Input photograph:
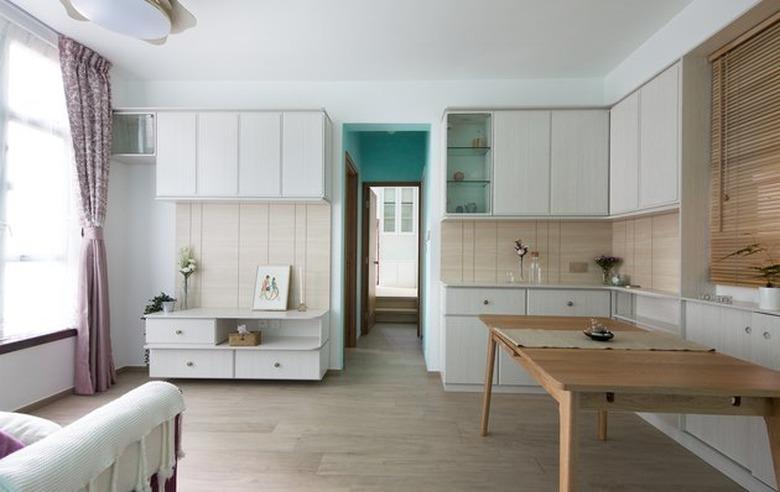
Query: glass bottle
(535, 269)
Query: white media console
(193, 344)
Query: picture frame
(272, 288)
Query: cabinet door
(659, 140)
(556, 302)
(765, 347)
(579, 162)
(218, 154)
(260, 155)
(729, 332)
(624, 155)
(176, 154)
(521, 162)
(303, 155)
(510, 373)
(466, 340)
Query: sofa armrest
(138, 424)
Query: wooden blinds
(745, 153)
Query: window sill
(21, 342)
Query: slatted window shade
(745, 155)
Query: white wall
(33, 374)
(140, 241)
(688, 29)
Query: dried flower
(520, 248)
(607, 263)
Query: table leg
(602, 425)
(491, 360)
(773, 430)
(568, 408)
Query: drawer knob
(190, 363)
(748, 330)
(277, 365)
(767, 335)
(570, 303)
(179, 332)
(485, 302)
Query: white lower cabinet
(466, 350)
(510, 373)
(191, 363)
(574, 302)
(279, 364)
(749, 336)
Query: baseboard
(126, 369)
(478, 388)
(44, 401)
(712, 457)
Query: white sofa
(118, 447)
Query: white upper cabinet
(659, 116)
(260, 155)
(177, 135)
(242, 155)
(217, 154)
(624, 155)
(521, 153)
(303, 154)
(579, 162)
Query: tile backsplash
(483, 250)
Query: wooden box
(249, 340)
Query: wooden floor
(386, 424)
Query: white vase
(769, 298)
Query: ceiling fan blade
(72, 12)
(156, 42)
(181, 18)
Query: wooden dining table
(697, 382)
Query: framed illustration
(272, 286)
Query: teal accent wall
(392, 152)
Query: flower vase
(521, 275)
(605, 276)
(185, 292)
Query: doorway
(350, 251)
(391, 254)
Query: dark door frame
(364, 321)
(351, 182)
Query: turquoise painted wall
(390, 152)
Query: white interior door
(372, 266)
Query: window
(407, 210)
(37, 285)
(399, 207)
(388, 210)
(745, 154)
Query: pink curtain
(88, 97)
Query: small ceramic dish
(599, 336)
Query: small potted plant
(769, 294)
(607, 263)
(162, 302)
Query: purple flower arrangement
(607, 263)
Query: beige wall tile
(468, 251)
(252, 248)
(452, 251)
(666, 252)
(485, 254)
(581, 242)
(219, 256)
(643, 252)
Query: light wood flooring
(385, 424)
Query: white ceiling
(382, 40)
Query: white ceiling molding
(28, 22)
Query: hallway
(385, 424)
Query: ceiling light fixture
(149, 20)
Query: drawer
(183, 363)
(572, 302)
(476, 301)
(183, 331)
(279, 364)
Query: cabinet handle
(190, 363)
(178, 332)
(277, 365)
(767, 335)
(748, 330)
(570, 303)
(485, 302)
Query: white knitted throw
(73, 457)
